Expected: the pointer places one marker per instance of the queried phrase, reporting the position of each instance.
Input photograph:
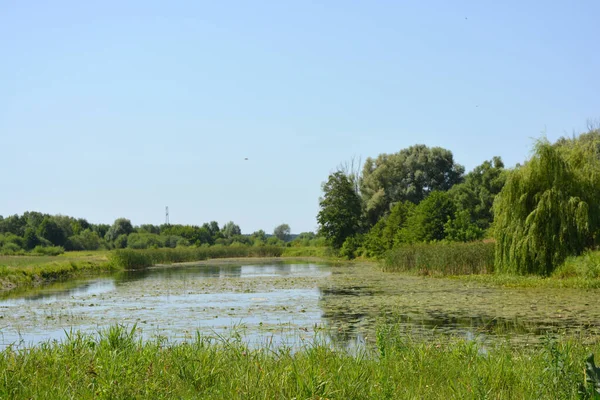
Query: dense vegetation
(119, 365)
(136, 259)
(537, 214)
(35, 233)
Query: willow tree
(548, 208)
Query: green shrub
(130, 259)
(351, 246)
(48, 251)
(585, 266)
(444, 258)
(10, 249)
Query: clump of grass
(118, 364)
(48, 251)
(27, 270)
(138, 259)
(442, 258)
(585, 266)
(306, 251)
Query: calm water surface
(288, 303)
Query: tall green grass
(138, 259)
(442, 258)
(117, 364)
(307, 251)
(18, 271)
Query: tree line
(538, 213)
(49, 234)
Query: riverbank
(23, 271)
(118, 364)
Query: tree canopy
(340, 210)
(409, 175)
(549, 208)
(282, 232)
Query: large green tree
(231, 229)
(341, 210)
(427, 222)
(549, 208)
(474, 199)
(409, 175)
(282, 232)
(121, 226)
(49, 230)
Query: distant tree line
(538, 213)
(51, 234)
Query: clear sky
(118, 108)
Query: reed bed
(139, 259)
(442, 258)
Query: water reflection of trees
(351, 314)
(346, 322)
(180, 273)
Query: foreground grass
(117, 364)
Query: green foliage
(118, 364)
(121, 241)
(409, 175)
(149, 228)
(591, 387)
(586, 266)
(121, 226)
(282, 232)
(461, 228)
(144, 241)
(427, 222)
(50, 231)
(475, 197)
(130, 259)
(193, 234)
(548, 209)
(352, 246)
(9, 249)
(341, 209)
(85, 240)
(259, 236)
(442, 258)
(389, 230)
(139, 259)
(31, 239)
(48, 251)
(230, 230)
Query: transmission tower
(167, 215)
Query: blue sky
(113, 108)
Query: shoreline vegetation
(22, 271)
(472, 262)
(117, 363)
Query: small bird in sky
(246, 158)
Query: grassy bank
(18, 271)
(442, 258)
(138, 259)
(117, 364)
